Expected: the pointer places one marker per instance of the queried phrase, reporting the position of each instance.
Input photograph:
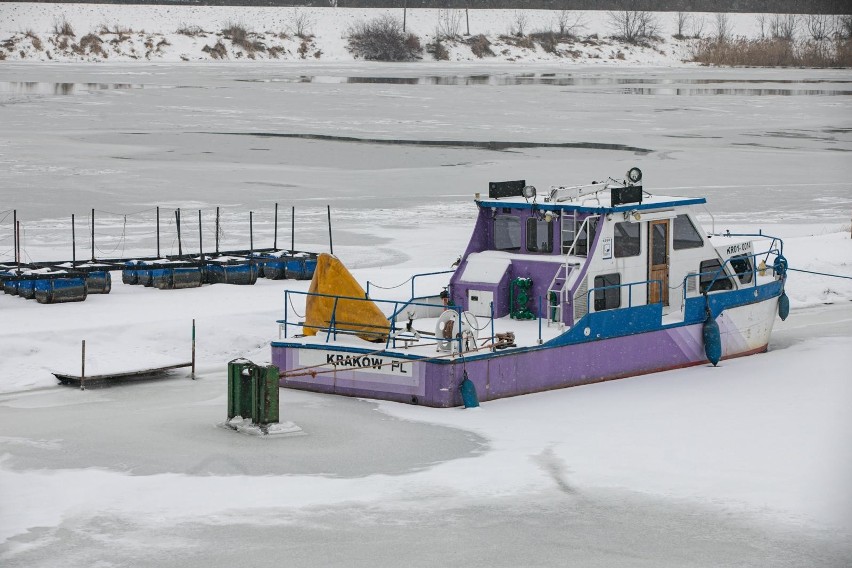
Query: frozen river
(746, 464)
(396, 144)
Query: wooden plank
(66, 378)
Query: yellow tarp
(362, 317)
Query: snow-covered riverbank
(104, 32)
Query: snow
(745, 464)
(486, 268)
(131, 35)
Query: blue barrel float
(99, 282)
(274, 266)
(26, 288)
(176, 277)
(145, 273)
(45, 285)
(59, 289)
(232, 270)
(137, 272)
(130, 272)
(162, 274)
(10, 287)
(295, 266)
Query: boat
(557, 288)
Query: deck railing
(335, 327)
(413, 281)
(629, 286)
(721, 273)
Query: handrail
(412, 279)
(412, 302)
(758, 234)
(333, 330)
(629, 286)
(754, 269)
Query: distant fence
(745, 6)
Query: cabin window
(712, 270)
(685, 236)
(627, 241)
(539, 235)
(743, 267)
(507, 232)
(585, 236)
(607, 292)
(574, 231)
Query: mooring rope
(821, 273)
(290, 300)
(126, 214)
(121, 241)
(372, 285)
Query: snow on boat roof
(488, 267)
(599, 202)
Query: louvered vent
(581, 300)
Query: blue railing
(413, 280)
(761, 235)
(720, 272)
(334, 327)
(629, 286)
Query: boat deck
(423, 343)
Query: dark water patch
(270, 184)
(539, 79)
(44, 88)
(796, 135)
(756, 145)
(744, 92)
(699, 136)
(481, 145)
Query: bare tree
(683, 19)
(843, 27)
(783, 26)
(723, 27)
(698, 23)
(449, 24)
(761, 22)
(518, 27)
(568, 23)
(633, 25)
(301, 23)
(820, 26)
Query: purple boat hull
(745, 330)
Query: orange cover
(363, 317)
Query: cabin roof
(593, 204)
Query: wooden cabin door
(658, 262)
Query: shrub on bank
(774, 52)
(382, 39)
